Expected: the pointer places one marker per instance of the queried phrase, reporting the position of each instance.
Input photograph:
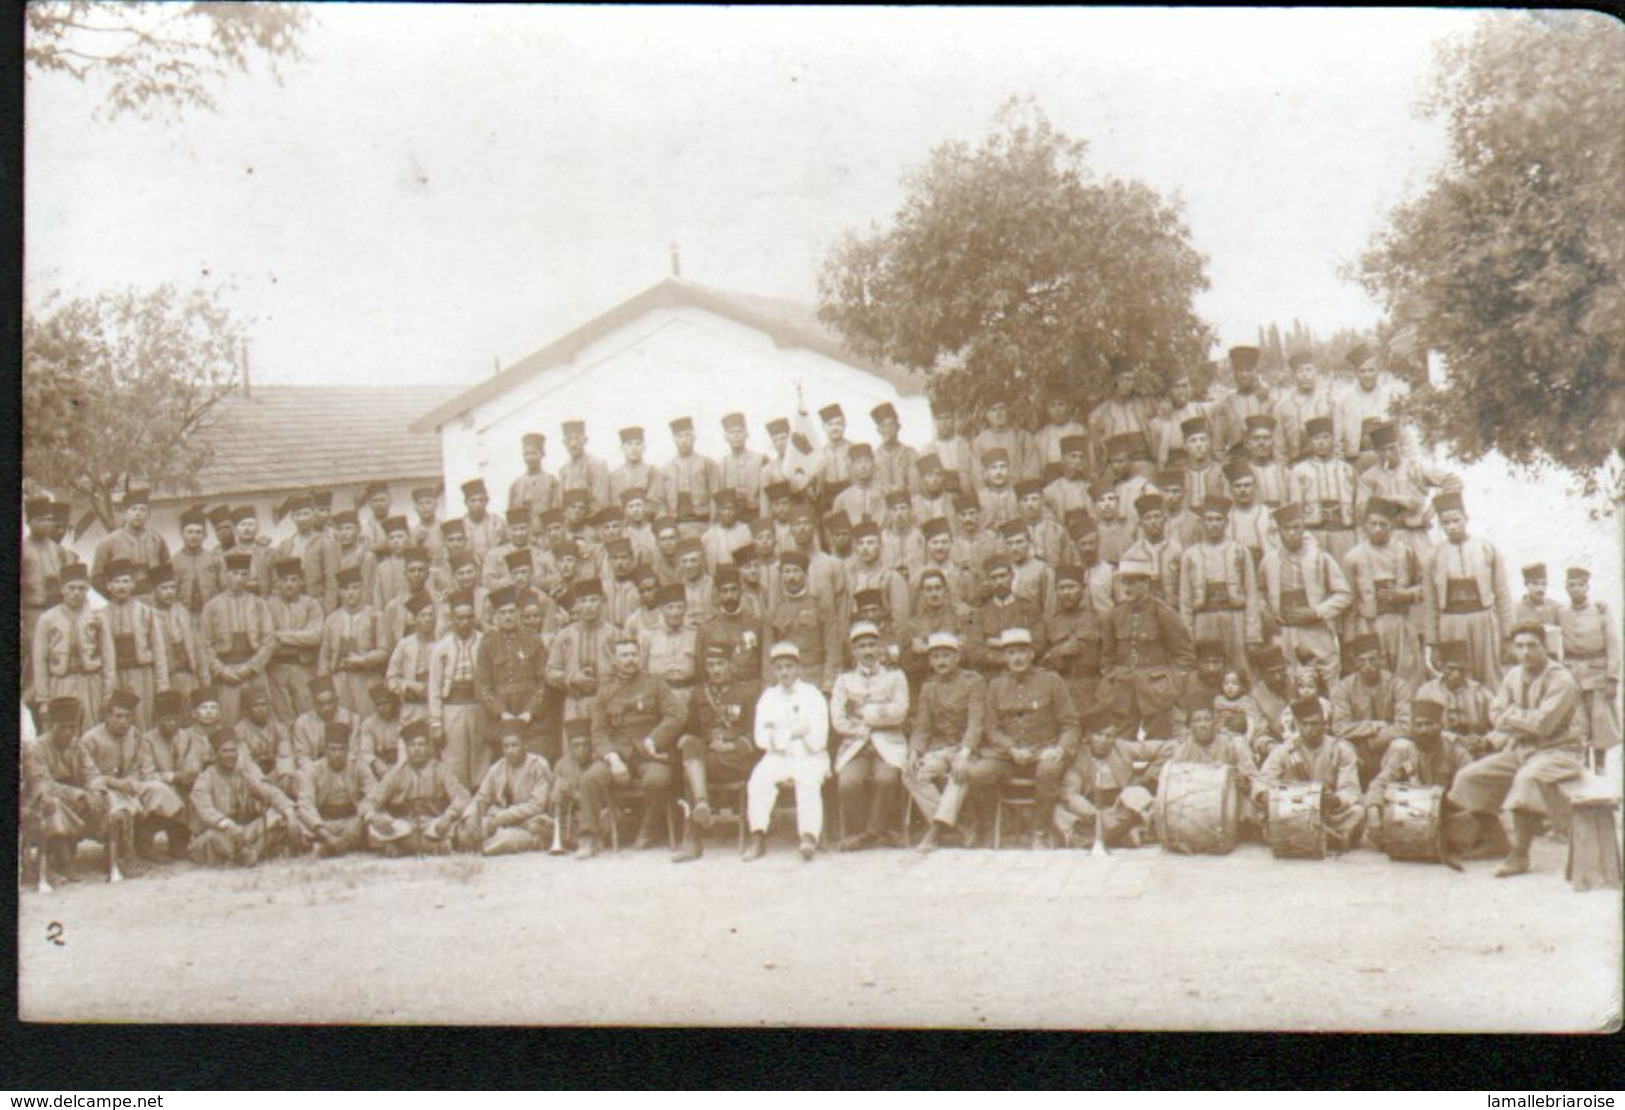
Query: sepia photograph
(1099, 519)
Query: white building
(676, 349)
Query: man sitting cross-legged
(414, 809)
(509, 812)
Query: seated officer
(636, 720)
(1032, 730)
(867, 710)
(948, 724)
(792, 730)
(717, 744)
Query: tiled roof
(789, 323)
(287, 437)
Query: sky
(434, 190)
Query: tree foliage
(1009, 269)
(119, 386)
(158, 59)
(1512, 264)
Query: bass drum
(1196, 809)
(1410, 822)
(1295, 829)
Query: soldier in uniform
(510, 673)
(234, 629)
(636, 721)
(414, 809)
(138, 662)
(377, 741)
(535, 490)
(1304, 595)
(1326, 489)
(948, 724)
(314, 550)
(800, 617)
(486, 530)
(114, 750)
(895, 462)
(288, 655)
(1591, 654)
(330, 793)
(1385, 578)
(1144, 645)
(1307, 399)
(1122, 413)
(1424, 757)
(1465, 594)
(1362, 407)
(1466, 701)
(1371, 708)
(1218, 590)
(64, 800)
(133, 542)
(454, 705)
(1406, 483)
(408, 672)
(307, 742)
(580, 470)
(1534, 607)
(41, 564)
(1536, 731)
(717, 746)
(741, 470)
(509, 811)
(169, 757)
(1312, 756)
(1251, 398)
(238, 818)
(1032, 729)
(868, 708)
(179, 637)
(1207, 743)
(1074, 636)
(73, 648)
(351, 652)
(792, 730)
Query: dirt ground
(1142, 940)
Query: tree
(1512, 264)
(118, 386)
(159, 58)
(1008, 269)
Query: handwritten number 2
(53, 933)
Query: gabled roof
(287, 437)
(788, 323)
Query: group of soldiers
(1259, 581)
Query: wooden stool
(1593, 843)
(1015, 793)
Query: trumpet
(557, 847)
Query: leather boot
(692, 849)
(1525, 827)
(757, 847)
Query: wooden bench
(1594, 861)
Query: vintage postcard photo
(1098, 519)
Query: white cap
(938, 641)
(862, 629)
(1016, 637)
(784, 649)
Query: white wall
(668, 363)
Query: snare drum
(1295, 829)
